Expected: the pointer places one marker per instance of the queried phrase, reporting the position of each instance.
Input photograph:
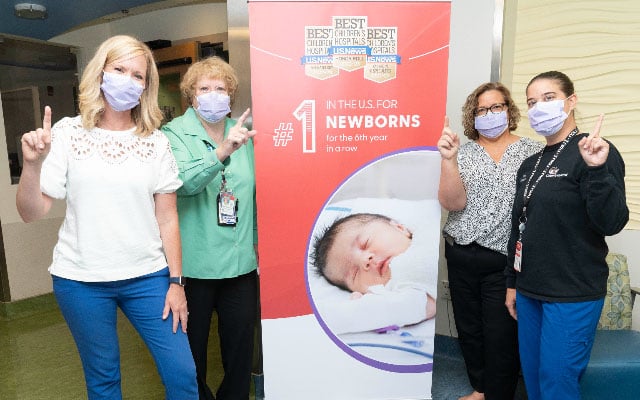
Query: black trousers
(487, 334)
(235, 301)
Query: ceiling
(67, 15)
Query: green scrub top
(210, 251)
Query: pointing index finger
(596, 129)
(243, 117)
(46, 121)
(446, 121)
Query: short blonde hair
(212, 68)
(146, 115)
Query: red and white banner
(348, 101)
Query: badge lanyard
(517, 263)
(227, 205)
(226, 201)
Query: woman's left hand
(176, 303)
(593, 148)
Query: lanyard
(223, 182)
(529, 191)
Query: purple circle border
(415, 368)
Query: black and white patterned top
(490, 187)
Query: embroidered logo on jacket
(553, 173)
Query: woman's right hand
(510, 302)
(449, 142)
(32, 204)
(36, 144)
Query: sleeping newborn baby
(373, 255)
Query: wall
(28, 247)
(238, 16)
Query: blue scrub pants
(555, 344)
(90, 309)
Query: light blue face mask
(547, 117)
(213, 106)
(122, 92)
(491, 125)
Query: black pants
(487, 334)
(235, 301)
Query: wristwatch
(178, 280)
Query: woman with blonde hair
(119, 244)
(217, 212)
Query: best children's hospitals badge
(383, 61)
(350, 44)
(318, 63)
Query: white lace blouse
(108, 178)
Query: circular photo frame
(389, 326)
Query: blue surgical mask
(122, 92)
(492, 125)
(213, 106)
(547, 117)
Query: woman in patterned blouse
(477, 186)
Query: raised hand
(238, 135)
(32, 204)
(36, 144)
(594, 149)
(449, 142)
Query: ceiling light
(30, 11)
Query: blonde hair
(146, 115)
(212, 68)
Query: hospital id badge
(227, 208)
(517, 261)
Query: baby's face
(361, 253)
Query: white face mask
(547, 117)
(213, 106)
(122, 92)
(491, 125)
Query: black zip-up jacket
(570, 212)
